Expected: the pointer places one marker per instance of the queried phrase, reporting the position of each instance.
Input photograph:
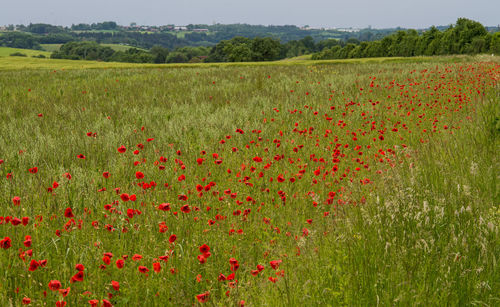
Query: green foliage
(19, 40)
(465, 37)
(18, 54)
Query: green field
(116, 47)
(291, 183)
(6, 51)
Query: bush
(18, 54)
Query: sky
(315, 13)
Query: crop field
(116, 47)
(6, 51)
(337, 183)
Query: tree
(495, 43)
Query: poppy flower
(203, 298)
(33, 265)
(26, 301)
(6, 243)
(172, 238)
(202, 259)
(77, 277)
(68, 213)
(122, 149)
(33, 170)
(124, 197)
(143, 269)
(116, 285)
(139, 175)
(80, 156)
(157, 267)
(54, 285)
(120, 263)
(106, 303)
(185, 209)
(64, 292)
(79, 267)
(275, 264)
(93, 303)
(136, 257)
(105, 175)
(60, 304)
(16, 200)
(204, 249)
(27, 241)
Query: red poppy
(275, 264)
(143, 269)
(68, 213)
(202, 259)
(105, 175)
(116, 285)
(106, 303)
(139, 175)
(93, 303)
(157, 267)
(33, 265)
(172, 238)
(203, 298)
(54, 285)
(16, 200)
(122, 149)
(26, 301)
(204, 249)
(79, 267)
(120, 263)
(6, 243)
(136, 257)
(64, 292)
(125, 197)
(60, 304)
(77, 277)
(80, 156)
(33, 170)
(27, 241)
(185, 209)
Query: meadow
(316, 183)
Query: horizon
(251, 24)
(317, 13)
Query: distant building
(180, 28)
(200, 30)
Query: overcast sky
(315, 13)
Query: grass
(7, 51)
(116, 47)
(17, 63)
(390, 191)
(51, 47)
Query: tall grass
(423, 230)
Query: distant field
(51, 47)
(15, 63)
(116, 47)
(6, 51)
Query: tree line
(237, 49)
(465, 37)
(111, 33)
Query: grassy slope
(6, 51)
(12, 63)
(116, 47)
